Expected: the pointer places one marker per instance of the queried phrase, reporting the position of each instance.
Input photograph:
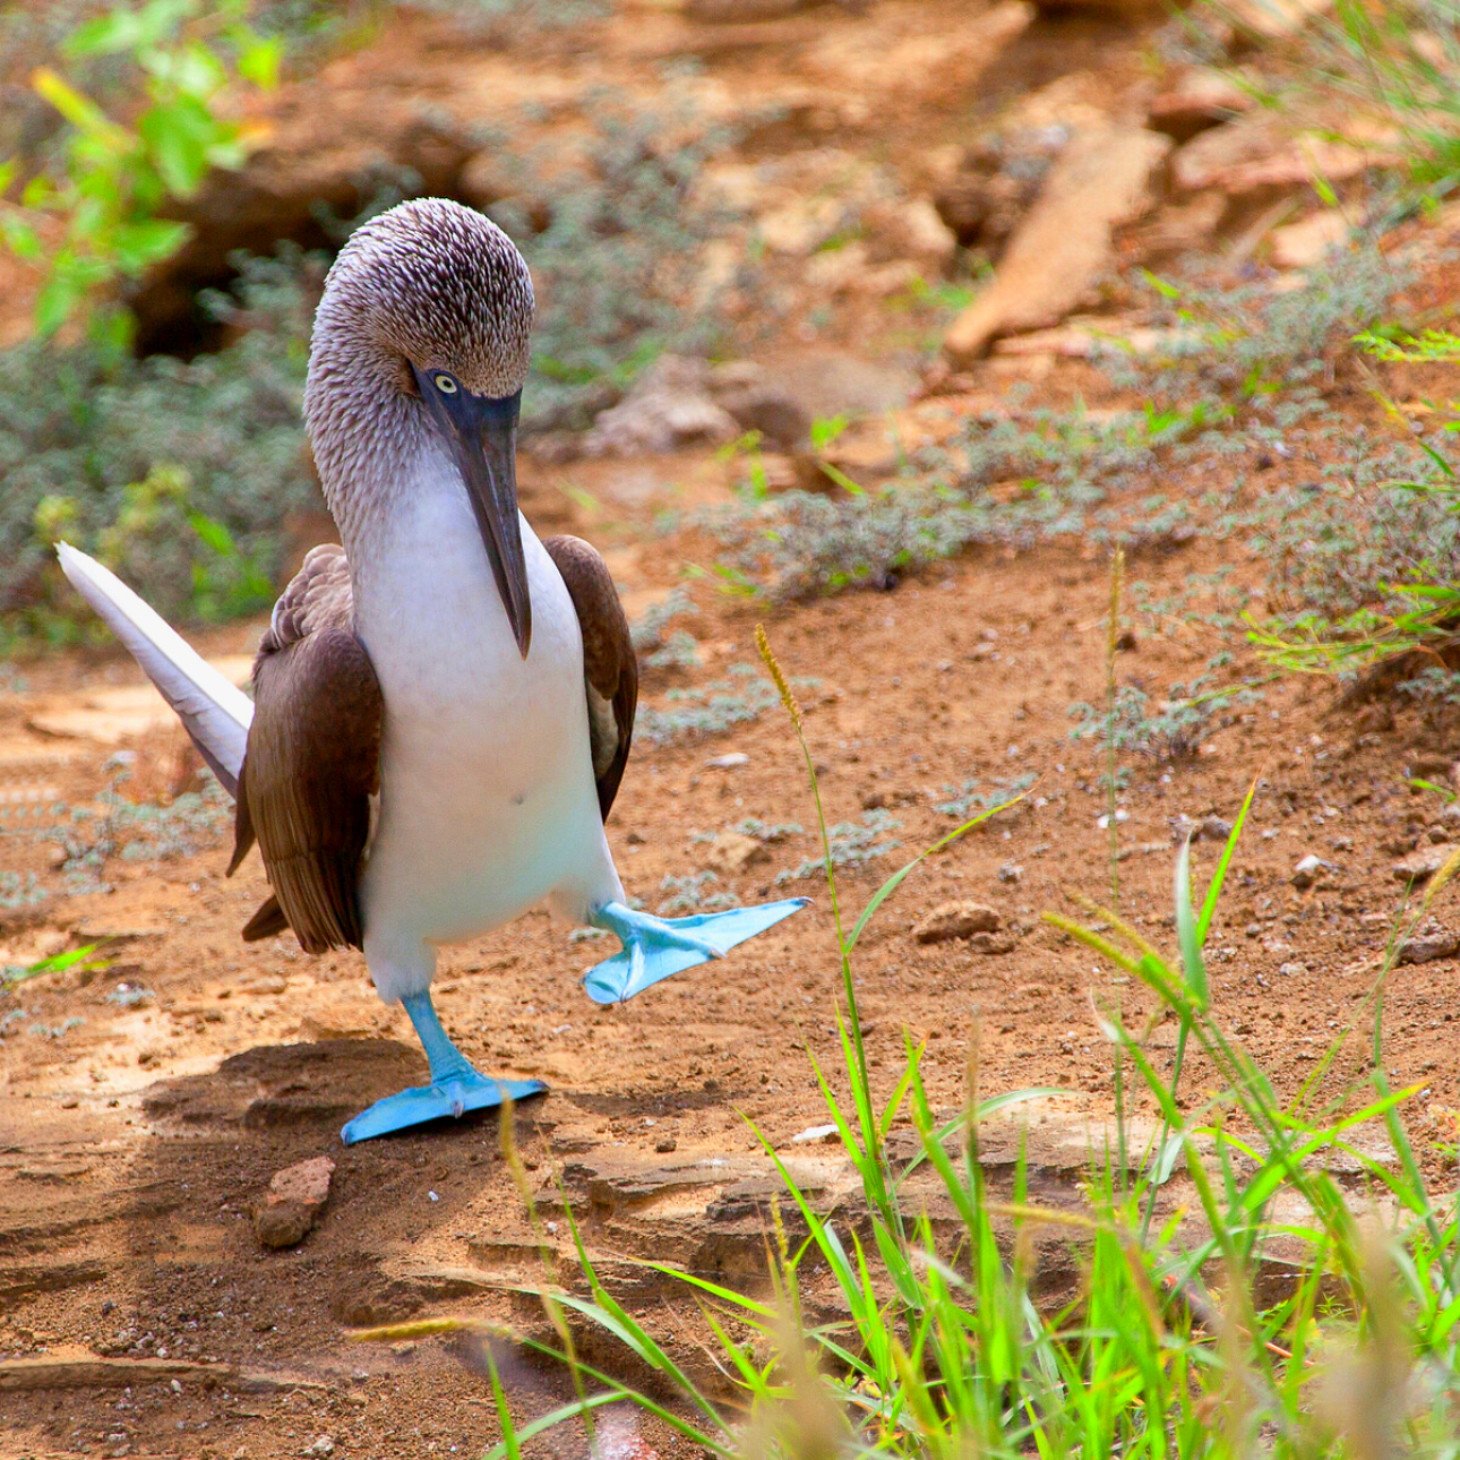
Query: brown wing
(313, 760)
(610, 670)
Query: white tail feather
(215, 712)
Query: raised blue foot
(654, 947)
(455, 1086)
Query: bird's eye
(445, 384)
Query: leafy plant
(183, 474)
(1171, 729)
(967, 798)
(850, 844)
(708, 709)
(1370, 563)
(885, 1332)
(688, 894)
(96, 215)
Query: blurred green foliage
(179, 474)
(94, 214)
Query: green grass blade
(1219, 877)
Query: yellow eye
(445, 384)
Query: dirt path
(145, 1105)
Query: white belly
(487, 799)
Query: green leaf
(193, 69)
(178, 136)
(58, 297)
(260, 60)
(58, 963)
(213, 534)
(1214, 891)
(138, 246)
(105, 36)
(74, 105)
(37, 191)
(20, 238)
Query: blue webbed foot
(455, 1086)
(654, 947)
(423, 1103)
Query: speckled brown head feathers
(432, 284)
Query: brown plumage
(313, 760)
(610, 669)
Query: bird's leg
(455, 1087)
(654, 947)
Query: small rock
(1195, 99)
(295, 1198)
(1421, 865)
(1307, 242)
(1257, 156)
(1428, 945)
(668, 407)
(1292, 969)
(813, 1133)
(1427, 766)
(961, 919)
(1308, 871)
(728, 762)
(732, 852)
(993, 943)
(665, 1144)
(324, 1445)
(1214, 829)
(1066, 243)
(759, 403)
(1011, 872)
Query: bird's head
(427, 312)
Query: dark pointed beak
(483, 437)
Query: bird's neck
(368, 437)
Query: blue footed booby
(443, 705)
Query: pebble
(1011, 872)
(728, 762)
(813, 1133)
(1429, 946)
(324, 1445)
(1308, 871)
(961, 918)
(732, 852)
(295, 1198)
(1421, 865)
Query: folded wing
(313, 760)
(610, 669)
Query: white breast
(487, 801)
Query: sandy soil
(144, 1106)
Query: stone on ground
(1101, 180)
(1307, 242)
(1421, 865)
(962, 918)
(295, 1198)
(1194, 100)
